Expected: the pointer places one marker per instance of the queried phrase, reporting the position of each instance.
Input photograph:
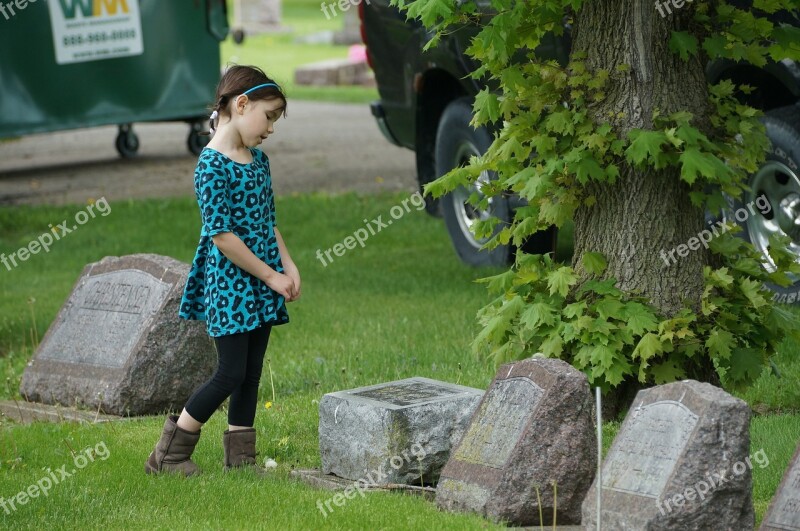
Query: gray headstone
(784, 512)
(532, 429)
(117, 342)
(376, 433)
(260, 16)
(351, 32)
(680, 461)
(332, 72)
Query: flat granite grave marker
(117, 343)
(784, 511)
(678, 462)
(395, 432)
(532, 429)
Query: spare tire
(772, 205)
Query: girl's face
(254, 119)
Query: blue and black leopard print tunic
(233, 197)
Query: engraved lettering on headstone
(117, 297)
(646, 452)
(499, 423)
(406, 394)
(105, 324)
(786, 511)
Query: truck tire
(456, 142)
(778, 179)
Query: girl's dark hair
(236, 80)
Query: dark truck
(426, 105)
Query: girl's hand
(282, 284)
(293, 273)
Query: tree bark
(644, 212)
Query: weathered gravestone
(532, 429)
(678, 462)
(784, 512)
(260, 16)
(117, 342)
(395, 432)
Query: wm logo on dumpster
(93, 8)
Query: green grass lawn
(278, 54)
(402, 306)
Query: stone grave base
(315, 478)
(28, 412)
(333, 72)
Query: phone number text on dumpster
(73, 40)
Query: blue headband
(261, 86)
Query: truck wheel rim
(467, 214)
(781, 187)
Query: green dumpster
(68, 64)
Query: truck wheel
(777, 180)
(127, 143)
(456, 142)
(196, 142)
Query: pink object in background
(357, 53)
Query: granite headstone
(117, 343)
(395, 432)
(784, 511)
(533, 430)
(678, 462)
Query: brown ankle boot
(239, 447)
(174, 450)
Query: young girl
(242, 274)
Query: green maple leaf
(648, 346)
(610, 308)
(560, 280)
(694, 161)
(487, 105)
(605, 287)
(537, 314)
(746, 364)
(644, 145)
(602, 356)
(575, 309)
(683, 44)
(787, 39)
(640, 318)
(715, 46)
(430, 11)
(767, 6)
(552, 346)
(719, 343)
(667, 371)
(594, 263)
(588, 168)
(751, 290)
(560, 122)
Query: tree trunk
(644, 212)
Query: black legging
(241, 357)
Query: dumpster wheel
(196, 141)
(238, 35)
(127, 142)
